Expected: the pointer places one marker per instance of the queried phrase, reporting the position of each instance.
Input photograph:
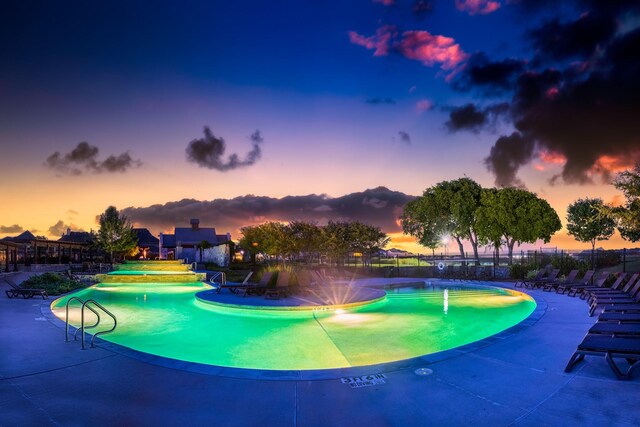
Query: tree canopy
(445, 209)
(628, 216)
(337, 239)
(116, 235)
(588, 221)
(515, 216)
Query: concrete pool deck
(517, 379)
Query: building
(29, 251)
(196, 244)
(148, 244)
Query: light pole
(445, 243)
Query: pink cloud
(477, 7)
(429, 49)
(612, 164)
(379, 42)
(552, 92)
(385, 2)
(417, 45)
(551, 157)
(424, 105)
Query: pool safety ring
(441, 266)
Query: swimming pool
(166, 319)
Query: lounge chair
(539, 275)
(586, 283)
(254, 288)
(619, 317)
(626, 305)
(619, 290)
(17, 291)
(603, 300)
(307, 281)
(532, 284)
(561, 288)
(232, 286)
(282, 287)
(569, 280)
(609, 328)
(615, 289)
(610, 347)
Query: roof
(76, 237)
(27, 236)
(145, 238)
(191, 236)
(168, 240)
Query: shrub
(53, 283)
(607, 259)
(519, 271)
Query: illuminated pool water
(165, 319)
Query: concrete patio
(515, 378)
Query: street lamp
(445, 243)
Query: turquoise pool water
(165, 319)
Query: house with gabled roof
(148, 244)
(186, 243)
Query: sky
(242, 112)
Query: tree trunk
(593, 250)
(510, 246)
(460, 246)
(474, 244)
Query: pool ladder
(218, 276)
(87, 304)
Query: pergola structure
(8, 256)
(27, 249)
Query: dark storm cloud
(60, 228)
(470, 117)
(379, 206)
(421, 8)
(84, 159)
(404, 137)
(377, 101)
(15, 228)
(577, 39)
(208, 152)
(488, 77)
(506, 157)
(575, 104)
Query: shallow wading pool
(166, 319)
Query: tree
(116, 235)
(366, 239)
(448, 208)
(303, 237)
(203, 246)
(589, 221)
(419, 222)
(515, 216)
(268, 238)
(628, 216)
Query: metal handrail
(75, 337)
(66, 319)
(82, 327)
(223, 278)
